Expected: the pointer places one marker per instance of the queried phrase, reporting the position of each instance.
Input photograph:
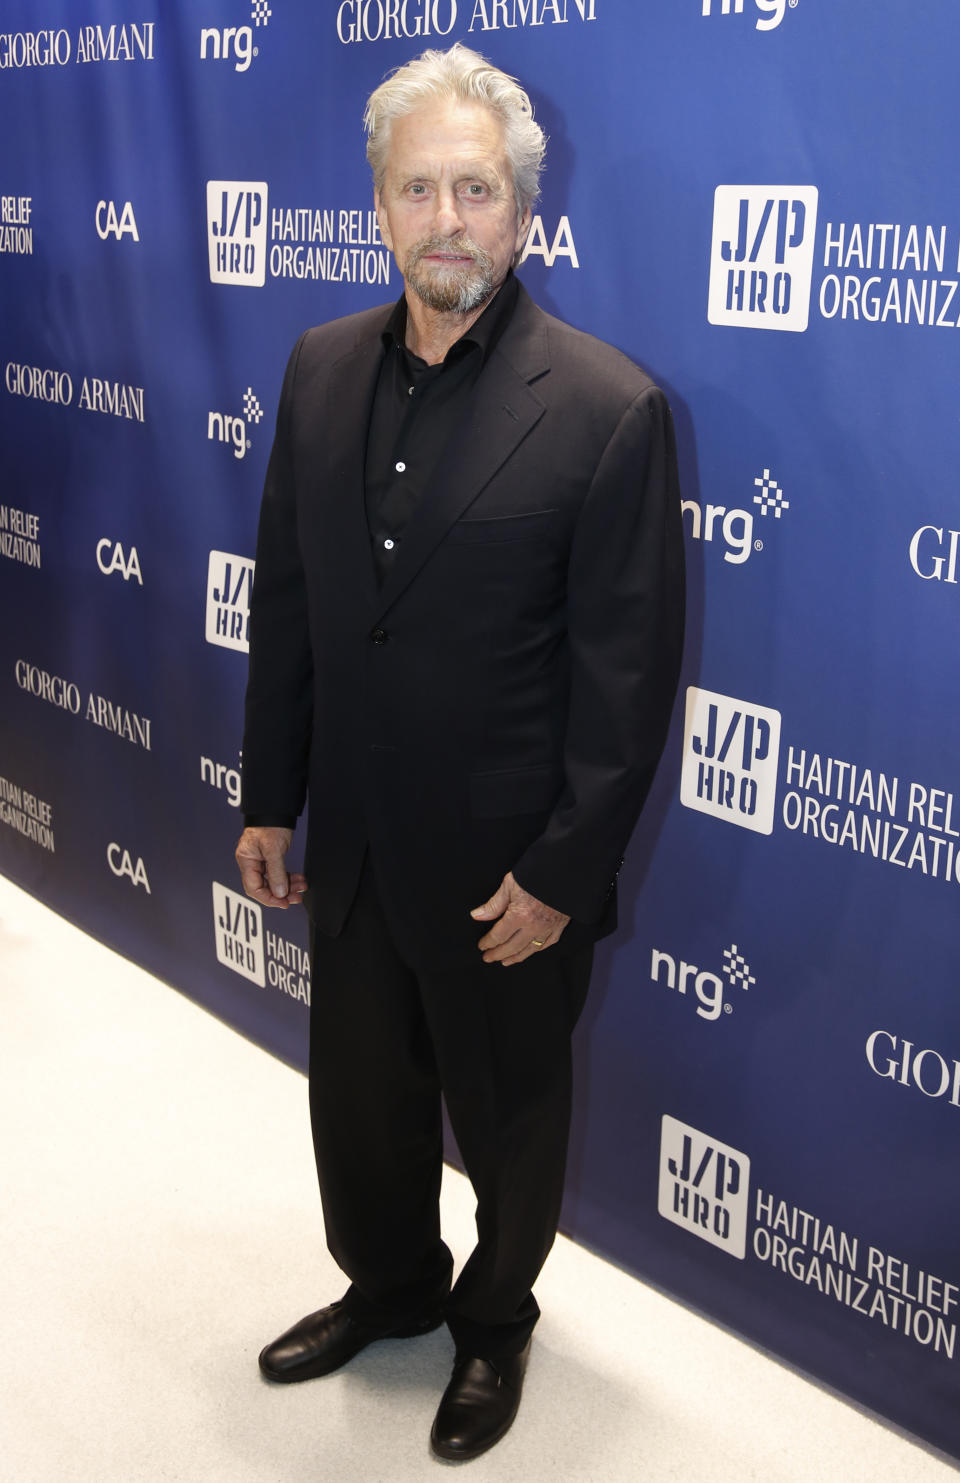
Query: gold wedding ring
(536, 942)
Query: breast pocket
(499, 529)
(514, 790)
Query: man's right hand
(260, 854)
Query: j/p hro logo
(229, 585)
(704, 1186)
(731, 750)
(238, 924)
(708, 988)
(761, 260)
(223, 427)
(237, 231)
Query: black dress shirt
(416, 409)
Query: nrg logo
(707, 987)
(223, 428)
(736, 526)
(772, 12)
(234, 42)
(219, 775)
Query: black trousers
(387, 1038)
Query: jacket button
(379, 635)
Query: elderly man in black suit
(465, 642)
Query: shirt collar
(484, 332)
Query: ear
(523, 228)
(382, 219)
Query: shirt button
(410, 391)
(379, 635)
(401, 468)
(388, 545)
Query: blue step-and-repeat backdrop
(758, 201)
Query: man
(465, 640)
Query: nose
(449, 218)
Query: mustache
(462, 246)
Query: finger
(509, 947)
(502, 930)
(265, 896)
(528, 952)
(533, 946)
(516, 919)
(277, 878)
(495, 907)
(251, 874)
(298, 885)
(254, 885)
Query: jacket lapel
(501, 412)
(350, 391)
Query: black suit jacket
(502, 700)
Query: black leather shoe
(323, 1341)
(478, 1406)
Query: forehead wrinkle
(469, 134)
(462, 169)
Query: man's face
(446, 207)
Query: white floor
(161, 1224)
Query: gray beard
(450, 290)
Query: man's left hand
(523, 925)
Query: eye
(417, 189)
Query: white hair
(468, 77)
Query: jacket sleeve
(279, 701)
(625, 605)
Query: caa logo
(237, 231)
(109, 224)
(229, 585)
(774, 10)
(927, 548)
(234, 42)
(730, 754)
(238, 924)
(128, 566)
(761, 261)
(707, 987)
(223, 428)
(562, 245)
(704, 1186)
(121, 863)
